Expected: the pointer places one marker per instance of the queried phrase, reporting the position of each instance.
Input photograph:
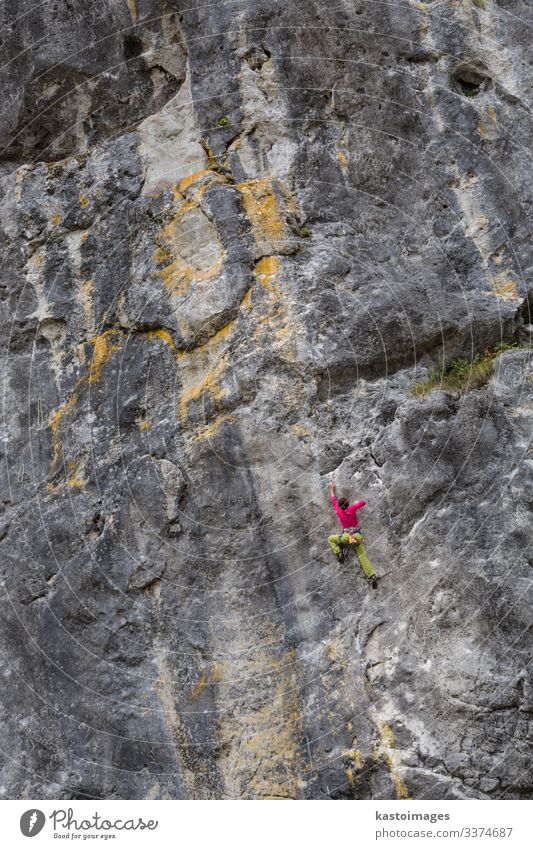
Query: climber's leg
(368, 569)
(334, 543)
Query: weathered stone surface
(232, 239)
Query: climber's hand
(331, 486)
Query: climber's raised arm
(332, 495)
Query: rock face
(233, 238)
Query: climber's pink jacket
(348, 517)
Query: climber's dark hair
(343, 503)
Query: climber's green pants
(336, 541)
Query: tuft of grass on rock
(222, 121)
(462, 374)
(508, 346)
(304, 232)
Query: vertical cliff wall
(233, 238)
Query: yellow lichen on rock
(388, 753)
(208, 431)
(271, 311)
(104, 346)
(74, 474)
(164, 335)
(188, 248)
(266, 270)
(209, 383)
(343, 159)
(76, 483)
(505, 287)
(199, 181)
(192, 178)
(207, 347)
(84, 201)
(267, 205)
(210, 361)
(266, 273)
(55, 425)
(261, 207)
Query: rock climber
(351, 534)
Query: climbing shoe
(374, 581)
(341, 557)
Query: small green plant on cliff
(222, 121)
(462, 374)
(508, 346)
(304, 232)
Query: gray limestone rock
(233, 239)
